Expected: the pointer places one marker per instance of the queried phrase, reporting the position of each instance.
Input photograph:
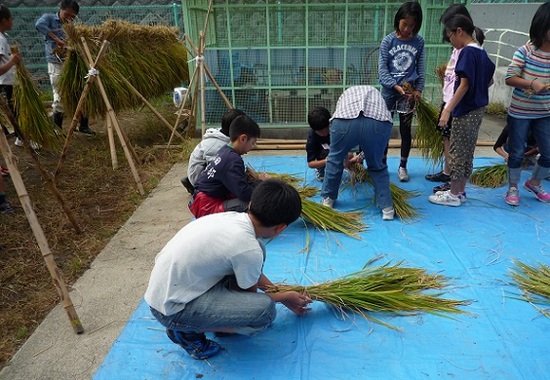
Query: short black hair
(5, 13)
(275, 202)
(70, 4)
(455, 9)
(540, 25)
(412, 9)
(318, 118)
(462, 22)
(243, 125)
(228, 118)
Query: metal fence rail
(501, 44)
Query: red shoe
(5, 172)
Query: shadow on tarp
(502, 338)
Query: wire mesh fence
(32, 43)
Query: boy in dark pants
(206, 279)
(318, 140)
(223, 185)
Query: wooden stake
(45, 175)
(111, 137)
(78, 111)
(114, 121)
(39, 235)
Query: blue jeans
(222, 307)
(518, 130)
(372, 136)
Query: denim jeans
(223, 307)
(372, 136)
(518, 130)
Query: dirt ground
(101, 200)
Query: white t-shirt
(200, 255)
(450, 77)
(5, 55)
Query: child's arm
(457, 97)
(14, 59)
(317, 164)
(43, 26)
(294, 301)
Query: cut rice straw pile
(534, 282)
(399, 196)
(491, 176)
(387, 288)
(329, 219)
(33, 120)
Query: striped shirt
(530, 63)
(366, 99)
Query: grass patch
(496, 109)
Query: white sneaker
(327, 202)
(388, 213)
(18, 142)
(445, 198)
(34, 146)
(402, 174)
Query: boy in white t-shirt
(207, 277)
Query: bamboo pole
(112, 147)
(152, 108)
(112, 115)
(45, 175)
(182, 105)
(81, 101)
(38, 232)
(201, 73)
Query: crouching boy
(206, 279)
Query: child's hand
(444, 119)
(538, 86)
(417, 94)
(296, 302)
(264, 176)
(15, 58)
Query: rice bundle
(440, 73)
(327, 218)
(428, 138)
(32, 118)
(535, 283)
(399, 196)
(387, 288)
(151, 58)
(491, 176)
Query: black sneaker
(443, 187)
(190, 188)
(86, 130)
(196, 344)
(438, 177)
(5, 208)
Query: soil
(101, 200)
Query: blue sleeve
(385, 78)
(421, 66)
(43, 24)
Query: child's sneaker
(402, 174)
(5, 208)
(195, 344)
(4, 171)
(438, 177)
(462, 197)
(512, 196)
(443, 187)
(388, 213)
(319, 175)
(327, 202)
(445, 198)
(542, 195)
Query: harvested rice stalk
(307, 191)
(399, 196)
(33, 120)
(153, 70)
(491, 176)
(535, 283)
(428, 138)
(387, 288)
(440, 72)
(327, 218)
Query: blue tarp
(502, 337)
